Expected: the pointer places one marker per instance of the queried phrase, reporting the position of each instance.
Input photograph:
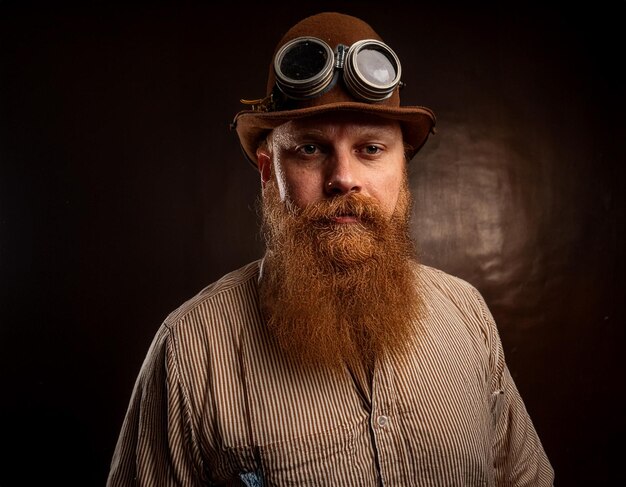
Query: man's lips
(345, 219)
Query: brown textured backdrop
(122, 193)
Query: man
(337, 359)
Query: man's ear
(264, 162)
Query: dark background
(123, 193)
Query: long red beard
(339, 293)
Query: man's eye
(372, 150)
(308, 149)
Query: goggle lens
(303, 61)
(375, 67)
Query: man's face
(335, 221)
(334, 154)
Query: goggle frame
(343, 58)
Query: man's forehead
(328, 123)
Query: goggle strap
(267, 104)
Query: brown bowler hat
(254, 124)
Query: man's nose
(342, 174)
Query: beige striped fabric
(216, 403)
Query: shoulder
(200, 340)
(230, 286)
(232, 291)
(445, 283)
(205, 331)
(448, 287)
(456, 300)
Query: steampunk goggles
(307, 67)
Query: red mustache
(364, 208)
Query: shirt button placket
(380, 426)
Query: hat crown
(334, 29)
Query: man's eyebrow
(365, 131)
(375, 131)
(310, 133)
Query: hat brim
(252, 126)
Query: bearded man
(337, 359)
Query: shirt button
(382, 420)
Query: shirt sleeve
(519, 457)
(157, 444)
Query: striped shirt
(216, 403)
